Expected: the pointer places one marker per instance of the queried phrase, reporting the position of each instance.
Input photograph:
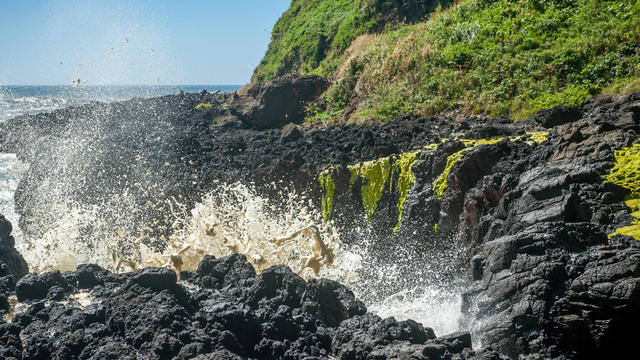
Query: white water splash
(234, 219)
(407, 286)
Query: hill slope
(482, 56)
(312, 35)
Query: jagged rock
(291, 132)
(12, 265)
(331, 302)
(215, 273)
(275, 314)
(35, 287)
(278, 102)
(88, 276)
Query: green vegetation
(328, 191)
(375, 176)
(626, 173)
(312, 35)
(377, 173)
(204, 106)
(511, 57)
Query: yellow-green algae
(538, 136)
(406, 178)
(204, 106)
(440, 185)
(375, 174)
(626, 173)
(328, 191)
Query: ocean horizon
(16, 100)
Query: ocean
(18, 100)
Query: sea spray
(235, 219)
(407, 281)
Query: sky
(127, 42)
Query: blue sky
(56, 42)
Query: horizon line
(1, 85)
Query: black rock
(215, 273)
(558, 115)
(278, 102)
(12, 263)
(155, 278)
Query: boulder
(558, 115)
(14, 264)
(278, 102)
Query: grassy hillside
(510, 57)
(312, 35)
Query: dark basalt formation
(222, 310)
(533, 219)
(546, 278)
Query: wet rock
(11, 261)
(155, 278)
(31, 287)
(215, 273)
(88, 276)
(275, 314)
(547, 282)
(290, 133)
(10, 342)
(331, 302)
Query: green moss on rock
(404, 164)
(328, 192)
(375, 175)
(440, 184)
(626, 173)
(204, 106)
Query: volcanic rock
(532, 220)
(275, 314)
(279, 101)
(558, 115)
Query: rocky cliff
(544, 210)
